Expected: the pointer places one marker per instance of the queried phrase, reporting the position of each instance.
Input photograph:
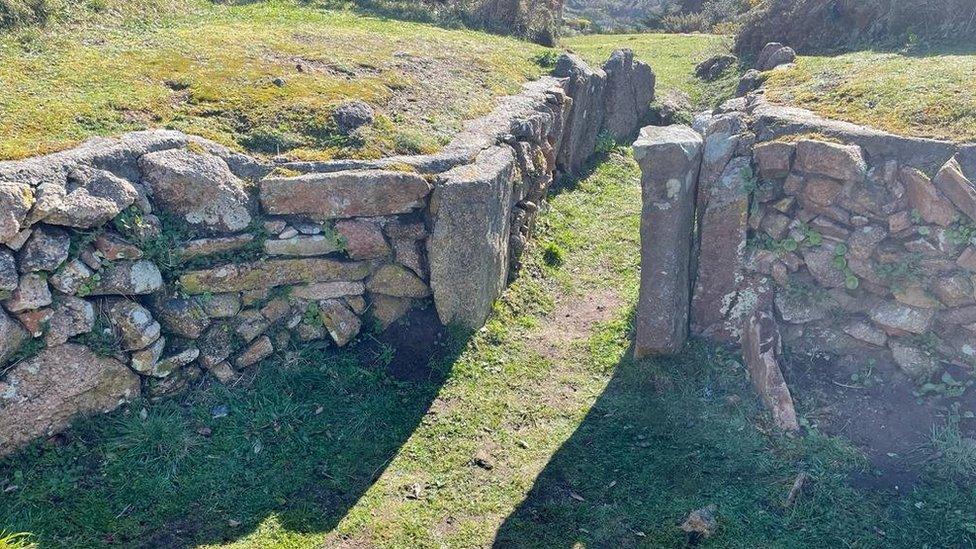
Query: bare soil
(572, 321)
(886, 420)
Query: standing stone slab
(670, 159)
(468, 246)
(761, 347)
(336, 195)
(724, 223)
(42, 395)
(587, 87)
(954, 184)
(629, 92)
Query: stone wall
(138, 265)
(840, 239)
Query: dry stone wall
(138, 265)
(832, 238)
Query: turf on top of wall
(927, 93)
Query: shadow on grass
(673, 435)
(299, 446)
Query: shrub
(16, 13)
(830, 25)
(536, 20)
(554, 255)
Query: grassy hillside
(927, 93)
(263, 76)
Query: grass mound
(827, 25)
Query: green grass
(928, 93)
(230, 72)
(586, 446)
(672, 56)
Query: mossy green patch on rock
(270, 274)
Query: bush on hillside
(536, 20)
(811, 26)
(16, 13)
(711, 16)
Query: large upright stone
(954, 184)
(323, 196)
(670, 159)
(468, 246)
(587, 88)
(925, 199)
(42, 395)
(198, 187)
(721, 254)
(629, 92)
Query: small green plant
(81, 240)
(554, 255)
(605, 143)
(749, 181)
(947, 386)
(954, 453)
(865, 378)
(962, 233)
(839, 262)
(29, 349)
(901, 274)
(806, 293)
(89, 285)
(312, 314)
(547, 59)
(102, 339)
(20, 540)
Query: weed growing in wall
(901, 274)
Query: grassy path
(537, 431)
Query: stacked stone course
(140, 264)
(846, 240)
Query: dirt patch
(572, 321)
(884, 417)
(417, 342)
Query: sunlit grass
(263, 77)
(929, 94)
